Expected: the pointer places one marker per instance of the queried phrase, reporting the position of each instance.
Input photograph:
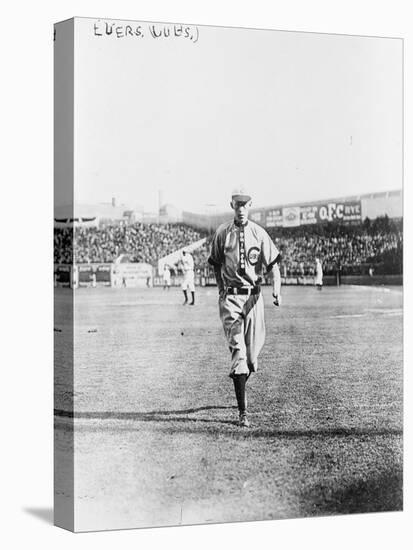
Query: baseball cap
(241, 194)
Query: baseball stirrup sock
(239, 386)
(186, 295)
(193, 296)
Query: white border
(26, 45)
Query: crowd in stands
(347, 249)
(142, 242)
(63, 246)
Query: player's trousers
(188, 281)
(242, 317)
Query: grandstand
(354, 236)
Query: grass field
(156, 435)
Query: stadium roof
(380, 195)
(101, 210)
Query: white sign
(291, 216)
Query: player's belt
(243, 290)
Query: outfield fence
(145, 275)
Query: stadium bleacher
(142, 242)
(351, 249)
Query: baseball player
(166, 277)
(187, 264)
(318, 274)
(241, 251)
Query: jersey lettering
(253, 255)
(241, 251)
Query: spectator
(378, 244)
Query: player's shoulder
(224, 227)
(255, 226)
(257, 229)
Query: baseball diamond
(156, 424)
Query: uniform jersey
(318, 273)
(188, 270)
(187, 263)
(242, 252)
(167, 275)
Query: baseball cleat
(243, 420)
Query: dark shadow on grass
(151, 415)
(327, 432)
(255, 431)
(45, 514)
(380, 493)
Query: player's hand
(221, 293)
(277, 299)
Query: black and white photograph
(205, 276)
(228, 274)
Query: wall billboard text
(293, 216)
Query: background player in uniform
(166, 277)
(187, 263)
(241, 250)
(318, 274)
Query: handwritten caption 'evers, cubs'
(154, 31)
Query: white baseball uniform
(166, 276)
(242, 252)
(187, 263)
(318, 273)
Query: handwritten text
(155, 31)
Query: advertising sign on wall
(291, 216)
(274, 217)
(62, 275)
(132, 274)
(340, 211)
(309, 214)
(103, 274)
(85, 274)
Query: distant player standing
(318, 274)
(241, 250)
(187, 263)
(166, 277)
